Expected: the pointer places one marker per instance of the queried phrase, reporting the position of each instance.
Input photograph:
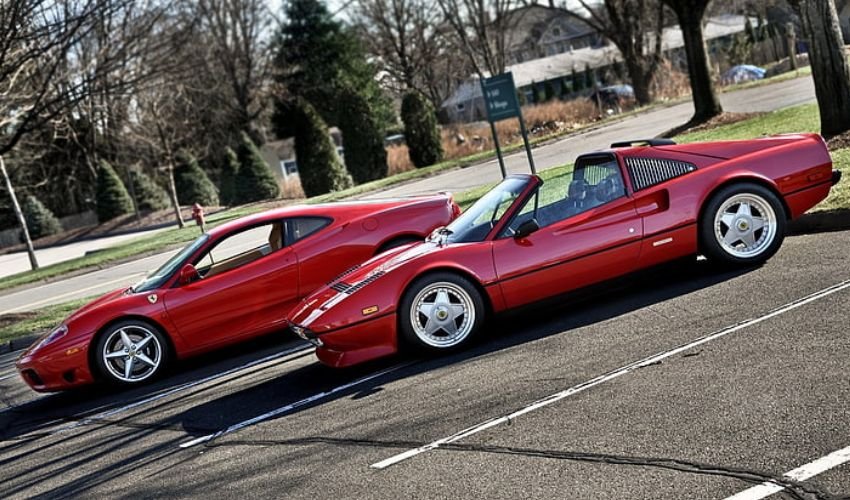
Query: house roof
(547, 68)
(528, 24)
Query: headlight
(306, 334)
(53, 336)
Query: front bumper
(57, 370)
(354, 344)
(836, 176)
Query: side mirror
(188, 274)
(526, 228)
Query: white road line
(188, 385)
(61, 296)
(290, 407)
(554, 398)
(801, 473)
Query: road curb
(18, 343)
(819, 222)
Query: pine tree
(319, 167)
(255, 181)
(149, 195)
(362, 138)
(40, 220)
(112, 197)
(193, 184)
(420, 130)
(227, 179)
(317, 59)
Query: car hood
(344, 292)
(98, 302)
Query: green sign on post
(501, 103)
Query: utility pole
(19, 214)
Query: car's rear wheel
(441, 312)
(743, 224)
(131, 352)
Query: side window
(593, 182)
(241, 248)
(301, 227)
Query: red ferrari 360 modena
(228, 285)
(630, 207)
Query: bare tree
(829, 63)
(43, 75)
(236, 31)
(690, 14)
(481, 29)
(410, 43)
(636, 28)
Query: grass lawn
(39, 321)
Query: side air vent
(647, 172)
(343, 287)
(345, 273)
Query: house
(536, 31)
(280, 154)
(567, 70)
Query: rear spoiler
(643, 142)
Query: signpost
(501, 103)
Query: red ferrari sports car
(630, 207)
(226, 286)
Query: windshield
(158, 277)
(476, 222)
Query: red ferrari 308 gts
(228, 285)
(617, 211)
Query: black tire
(397, 242)
(461, 294)
(155, 350)
(713, 233)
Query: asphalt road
(766, 98)
(685, 382)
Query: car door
(589, 232)
(247, 278)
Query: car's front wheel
(441, 312)
(131, 352)
(743, 224)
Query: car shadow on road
(46, 411)
(306, 382)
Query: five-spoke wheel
(130, 352)
(440, 312)
(743, 224)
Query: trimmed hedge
(112, 197)
(40, 220)
(255, 181)
(150, 196)
(193, 184)
(420, 130)
(319, 167)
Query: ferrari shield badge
(152, 298)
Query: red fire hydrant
(198, 215)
